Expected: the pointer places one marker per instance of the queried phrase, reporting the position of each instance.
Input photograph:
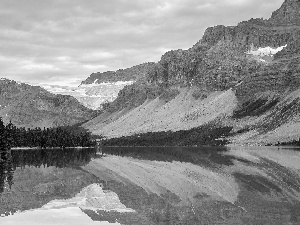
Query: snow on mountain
(264, 54)
(90, 95)
(266, 51)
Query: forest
(67, 136)
(289, 143)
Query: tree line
(208, 134)
(289, 143)
(67, 136)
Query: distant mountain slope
(32, 106)
(104, 87)
(90, 95)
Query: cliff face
(259, 60)
(32, 106)
(225, 56)
(288, 13)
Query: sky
(63, 41)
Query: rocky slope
(32, 106)
(181, 113)
(246, 76)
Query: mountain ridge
(129, 74)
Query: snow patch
(117, 83)
(266, 51)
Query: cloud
(94, 67)
(29, 65)
(47, 41)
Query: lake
(151, 185)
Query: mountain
(33, 106)
(245, 76)
(100, 88)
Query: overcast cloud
(64, 41)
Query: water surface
(156, 185)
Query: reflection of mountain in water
(209, 185)
(209, 156)
(10, 160)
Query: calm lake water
(151, 185)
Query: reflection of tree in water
(61, 158)
(52, 157)
(6, 171)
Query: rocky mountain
(129, 74)
(288, 14)
(245, 76)
(32, 106)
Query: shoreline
(160, 146)
(31, 148)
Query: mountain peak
(288, 13)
